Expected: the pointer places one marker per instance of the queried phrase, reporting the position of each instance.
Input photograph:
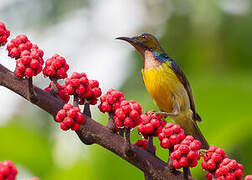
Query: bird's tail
(191, 128)
(196, 133)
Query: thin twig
(86, 110)
(54, 88)
(127, 135)
(31, 92)
(150, 147)
(170, 160)
(121, 132)
(111, 123)
(128, 150)
(186, 173)
(76, 101)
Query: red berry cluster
(171, 135)
(212, 159)
(61, 91)
(151, 124)
(56, 67)
(128, 114)
(86, 90)
(93, 92)
(229, 169)
(4, 34)
(7, 170)
(143, 143)
(30, 62)
(70, 117)
(217, 163)
(111, 101)
(186, 153)
(18, 45)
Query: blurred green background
(209, 39)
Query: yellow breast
(162, 84)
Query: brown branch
(92, 132)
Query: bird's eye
(144, 37)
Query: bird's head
(144, 42)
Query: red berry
(72, 113)
(126, 109)
(61, 114)
(120, 114)
(183, 162)
(211, 165)
(176, 154)
(168, 132)
(29, 72)
(216, 157)
(128, 122)
(134, 114)
(165, 143)
(248, 177)
(176, 128)
(75, 127)
(220, 151)
(174, 139)
(63, 126)
(148, 128)
(111, 99)
(191, 155)
(195, 145)
(68, 121)
(209, 176)
(118, 122)
(183, 149)
(176, 164)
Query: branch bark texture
(91, 131)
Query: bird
(167, 85)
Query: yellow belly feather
(162, 84)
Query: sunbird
(167, 85)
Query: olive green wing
(181, 76)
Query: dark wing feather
(181, 76)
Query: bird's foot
(163, 115)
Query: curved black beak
(130, 40)
(134, 42)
